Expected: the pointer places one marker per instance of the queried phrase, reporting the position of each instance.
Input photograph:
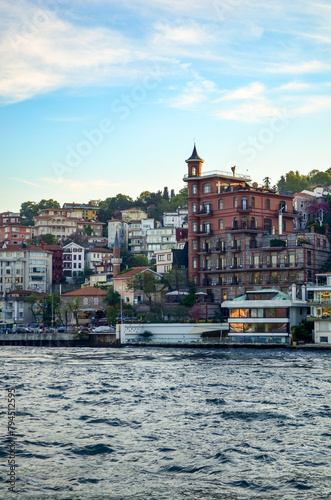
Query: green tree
(293, 182)
(111, 315)
(266, 182)
(28, 210)
(48, 204)
(146, 281)
(88, 230)
(139, 260)
(47, 238)
(113, 298)
(321, 179)
(74, 305)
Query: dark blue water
(155, 423)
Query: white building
(177, 218)
(319, 300)
(163, 238)
(121, 228)
(73, 260)
(164, 260)
(97, 257)
(264, 316)
(25, 267)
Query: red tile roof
(88, 291)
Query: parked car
(35, 327)
(61, 329)
(21, 329)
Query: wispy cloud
(253, 91)
(25, 181)
(299, 68)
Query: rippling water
(156, 423)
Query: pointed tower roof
(116, 244)
(194, 156)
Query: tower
(116, 260)
(194, 163)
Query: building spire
(194, 156)
(116, 260)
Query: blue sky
(104, 97)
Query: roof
(278, 295)
(99, 250)
(26, 248)
(132, 272)
(194, 156)
(89, 291)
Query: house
(15, 233)
(87, 211)
(133, 214)
(241, 236)
(15, 309)
(57, 261)
(9, 218)
(319, 300)
(120, 228)
(131, 295)
(177, 218)
(166, 259)
(264, 316)
(73, 260)
(90, 302)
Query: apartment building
(15, 233)
(319, 301)
(62, 223)
(87, 211)
(177, 218)
(162, 238)
(25, 267)
(132, 214)
(241, 236)
(73, 260)
(120, 228)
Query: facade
(25, 267)
(120, 228)
(131, 296)
(91, 305)
(264, 316)
(9, 218)
(163, 238)
(99, 260)
(137, 235)
(166, 259)
(62, 223)
(241, 236)
(14, 308)
(57, 262)
(87, 211)
(176, 219)
(319, 300)
(14, 234)
(73, 260)
(133, 214)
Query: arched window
(194, 170)
(207, 227)
(283, 205)
(206, 208)
(194, 189)
(253, 202)
(244, 202)
(235, 202)
(235, 223)
(85, 301)
(221, 224)
(244, 223)
(195, 227)
(96, 300)
(253, 223)
(194, 207)
(267, 204)
(206, 188)
(267, 225)
(220, 204)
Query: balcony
(205, 212)
(205, 232)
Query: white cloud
(250, 113)
(294, 86)
(253, 91)
(300, 68)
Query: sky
(100, 97)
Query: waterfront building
(90, 303)
(15, 310)
(264, 316)
(25, 267)
(241, 236)
(133, 296)
(319, 300)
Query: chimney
(312, 229)
(294, 291)
(43, 244)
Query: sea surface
(168, 423)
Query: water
(155, 423)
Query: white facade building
(177, 218)
(163, 238)
(264, 316)
(73, 260)
(319, 300)
(121, 228)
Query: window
(235, 223)
(85, 301)
(194, 227)
(324, 339)
(194, 170)
(221, 224)
(206, 188)
(195, 263)
(194, 207)
(194, 189)
(267, 225)
(244, 223)
(267, 204)
(207, 227)
(253, 223)
(244, 202)
(220, 204)
(253, 202)
(235, 202)
(207, 208)
(194, 244)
